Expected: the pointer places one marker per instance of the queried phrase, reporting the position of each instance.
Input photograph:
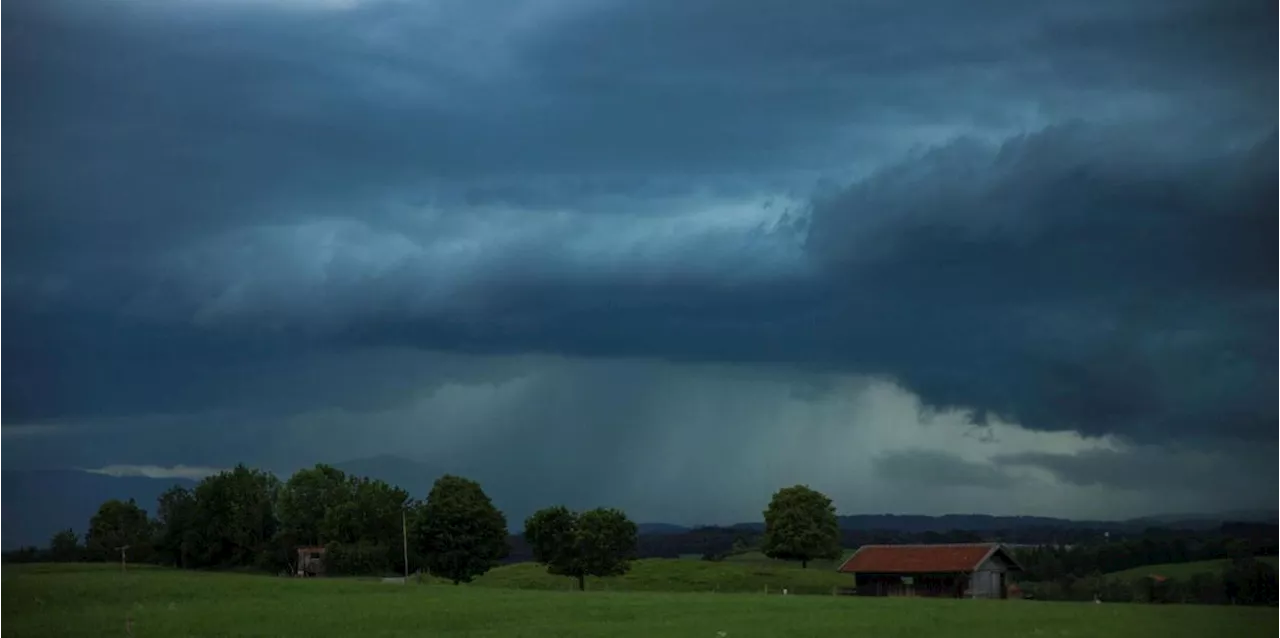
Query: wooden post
(122, 549)
(404, 531)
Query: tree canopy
(323, 504)
(64, 547)
(119, 524)
(235, 515)
(305, 500)
(458, 530)
(177, 537)
(800, 524)
(599, 542)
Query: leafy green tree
(552, 534)
(65, 547)
(599, 542)
(371, 514)
(235, 517)
(800, 524)
(306, 499)
(358, 519)
(119, 524)
(458, 531)
(177, 537)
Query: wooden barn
(972, 570)
(311, 561)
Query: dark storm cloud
(934, 468)
(204, 117)
(1069, 280)
(1080, 277)
(194, 193)
(1176, 470)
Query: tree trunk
(582, 582)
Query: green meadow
(1183, 571)
(98, 600)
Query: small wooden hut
(970, 570)
(311, 561)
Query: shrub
(1248, 581)
(1205, 589)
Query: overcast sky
(1010, 257)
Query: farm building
(976, 570)
(311, 561)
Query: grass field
(679, 575)
(1183, 571)
(72, 600)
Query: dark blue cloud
(1059, 214)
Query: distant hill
(660, 528)
(37, 503)
(967, 522)
(1206, 521)
(919, 523)
(1182, 571)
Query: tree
(358, 518)
(800, 524)
(64, 547)
(305, 500)
(370, 514)
(458, 530)
(119, 524)
(235, 518)
(177, 536)
(599, 542)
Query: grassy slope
(1182, 571)
(678, 575)
(93, 601)
(759, 558)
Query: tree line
(1080, 572)
(1243, 580)
(247, 518)
(1054, 562)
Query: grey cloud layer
(196, 194)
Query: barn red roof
(919, 559)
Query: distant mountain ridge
(920, 523)
(37, 503)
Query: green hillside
(758, 558)
(680, 575)
(1182, 571)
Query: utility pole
(404, 534)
